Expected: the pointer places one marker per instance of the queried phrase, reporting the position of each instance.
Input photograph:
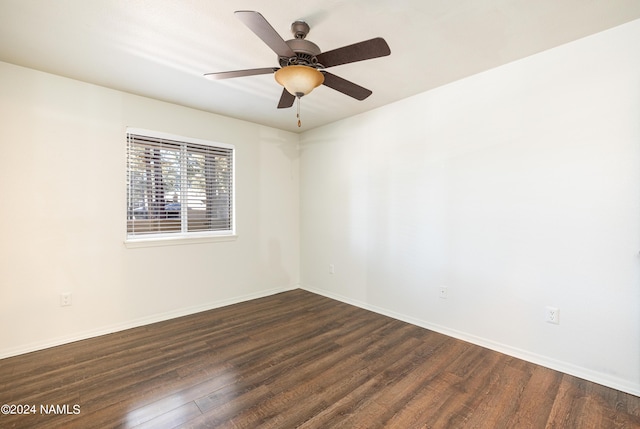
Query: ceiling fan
(302, 64)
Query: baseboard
(547, 362)
(32, 347)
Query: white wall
(517, 188)
(62, 222)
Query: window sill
(134, 243)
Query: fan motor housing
(304, 47)
(305, 50)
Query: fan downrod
(300, 29)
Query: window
(178, 187)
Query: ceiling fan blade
(261, 27)
(346, 87)
(286, 99)
(240, 73)
(366, 50)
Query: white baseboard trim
(547, 362)
(41, 345)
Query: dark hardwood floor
(296, 360)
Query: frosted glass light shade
(299, 80)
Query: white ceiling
(161, 48)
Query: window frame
(182, 237)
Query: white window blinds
(178, 187)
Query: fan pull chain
(298, 113)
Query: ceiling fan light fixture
(299, 80)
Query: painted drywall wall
(518, 188)
(62, 187)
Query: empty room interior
(439, 226)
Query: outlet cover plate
(443, 292)
(552, 315)
(65, 299)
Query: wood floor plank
(321, 387)
(171, 418)
(298, 360)
(533, 408)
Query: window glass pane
(209, 189)
(154, 200)
(197, 219)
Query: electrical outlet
(443, 292)
(552, 315)
(65, 299)
(332, 269)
